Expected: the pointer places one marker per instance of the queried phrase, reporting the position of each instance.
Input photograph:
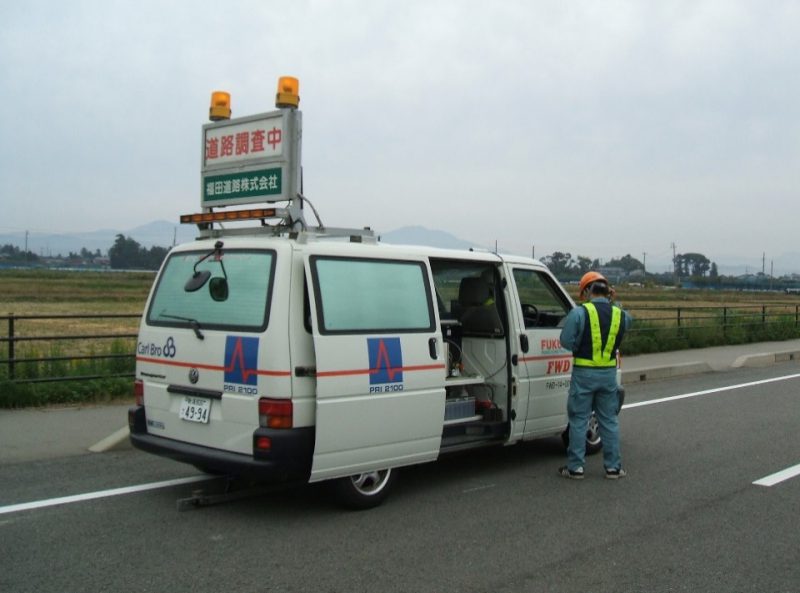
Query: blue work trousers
(593, 389)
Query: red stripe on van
(208, 367)
(344, 373)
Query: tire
(364, 491)
(594, 443)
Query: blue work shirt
(575, 321)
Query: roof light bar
(228, 215)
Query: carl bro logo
(385, 362)
(241, 360)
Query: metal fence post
(11, 369)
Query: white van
(301, 357)
(290, 352)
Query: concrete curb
(663, 372)
(114, 441)
(765, 359)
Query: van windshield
(245, 305)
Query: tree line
(128, 254)
(124, 254)
(686, 265)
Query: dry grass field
(659, 297)
(51, 292)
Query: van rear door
(207, 351)
(380, 367)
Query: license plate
(195, 409)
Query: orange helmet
(589, 278)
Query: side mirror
(197, 281)
(218, 289)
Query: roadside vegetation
(53, 292)
(706, 318)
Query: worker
(593, 332)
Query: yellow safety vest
(602, 356)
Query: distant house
(613, 274)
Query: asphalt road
(687, 518)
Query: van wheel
(364, 491)
(593, 441)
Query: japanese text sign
(247, 160)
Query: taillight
(138, 391)
(275, 413)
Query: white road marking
(477, 488)
(781, 476)
(662, 400)
(770, 480)
(38, 504)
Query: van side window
(469, 293)
(543, 304)
(369, 295)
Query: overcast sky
(598, 128)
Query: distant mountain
(418, 235)
(159, 233)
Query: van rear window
(371, 296)
(235, 295)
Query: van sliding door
(379, 364)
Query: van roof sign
(251, 159)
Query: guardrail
(716, 316)
(13, 338)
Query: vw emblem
(194, 375)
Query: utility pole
(763, 262)
(674, 262)
(644, 263)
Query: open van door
(545, 367)
(380, 366)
